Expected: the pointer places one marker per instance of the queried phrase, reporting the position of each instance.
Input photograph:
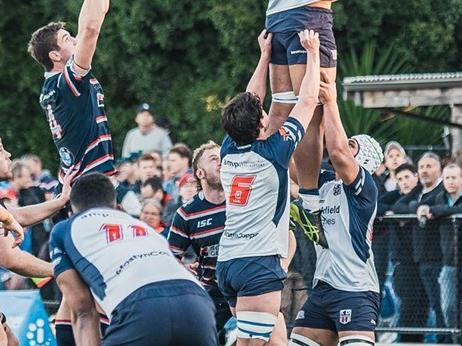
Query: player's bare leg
(268, 303)
(281, 85)
(313, 337)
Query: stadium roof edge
(403, 81)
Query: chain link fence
(418, 265)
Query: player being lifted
(71, 96)
(344, 302)
(254, 175)
(284, 19)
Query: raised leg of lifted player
(289, 77)
(285, 79)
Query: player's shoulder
(195, 204)
(60, 231)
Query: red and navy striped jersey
(199, 223)
(74, 107)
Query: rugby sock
(64, 335)
(310, 199)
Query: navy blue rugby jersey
(74, 107)
(199, 223)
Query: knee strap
(255, 325)
(285, 97)
(356, 340)
(300, 340)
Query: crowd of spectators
(155, 179)
(419, 243)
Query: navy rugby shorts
(249, 276)
(173, 312)
(285, 25)
(336, 310)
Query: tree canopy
(188, 57)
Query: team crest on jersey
(100, 99)
(345, 316)
(66, 156)
(337, 189)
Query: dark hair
(43, 41)
(93, 190)
(241, 118)
(406, 167)
(154, 182)
(183, 151)
(146, 157)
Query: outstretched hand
(264, 41)
(309, 39)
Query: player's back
(256, 185)
(348, 213)
(74, 107)
(116, 254)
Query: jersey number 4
(241, 187)
(115, 232)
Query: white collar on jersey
(50, 74)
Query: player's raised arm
(309, 89)
(257, 83)
(91, 19)
(337, 142)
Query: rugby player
(13, 218)
(284, 19)
(72, 98)
(106, 256)
(254, 175)
(200, 223)
(73, 101)
(344, 303)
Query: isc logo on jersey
(204, 223)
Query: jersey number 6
(241, 187)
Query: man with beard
(200, 223)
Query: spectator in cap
(395, 156)
(147, 136)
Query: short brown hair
(197, 155)
(183, 151)
(146, 157)
(43, 41)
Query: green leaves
(188, 57)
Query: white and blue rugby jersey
(256, 184)
(275, 6)
(114, 253)
(348, 215)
